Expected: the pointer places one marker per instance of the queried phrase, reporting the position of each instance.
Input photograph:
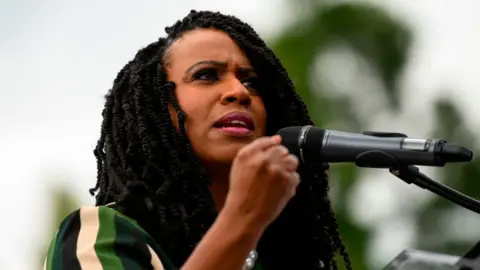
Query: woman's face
(216, 87)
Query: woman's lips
(236, 123)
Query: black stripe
(69, 238)
(130, 246)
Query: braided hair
(147, 167)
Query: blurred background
(386, 65)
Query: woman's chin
(223, 155)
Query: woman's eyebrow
(209, 62)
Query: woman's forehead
(206, 44)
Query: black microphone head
(295, 139)
(456, 153)
(290, 139)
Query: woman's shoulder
(100, 220)
(104, 236)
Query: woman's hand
(263, 179)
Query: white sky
(58, 59)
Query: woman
(190, 174)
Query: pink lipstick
(236, 123)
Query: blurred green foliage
(384, 43)
(63, 203)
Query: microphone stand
(411, 175)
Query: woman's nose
(236, 92)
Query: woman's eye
(251, 83)
(209, 74)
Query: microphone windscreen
(307, 139)
(290, 139)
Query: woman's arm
(226, 245)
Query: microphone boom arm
(412, 175)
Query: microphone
(370, 149)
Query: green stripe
(51, 252)
(131, 221)
(104, 245)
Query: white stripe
(156, 263)
(110, 204)
(90, 225)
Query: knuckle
(293, 192)
(274, 169)
(296, 177)
(281, 150)
(294, 159)
(242, 151)
(284, 149)
(291, 162)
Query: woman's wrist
(245, 225)
(227, 243)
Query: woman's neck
(220, 185)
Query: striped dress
(101, 238)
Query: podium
(423, 260)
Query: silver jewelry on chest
(250, 261)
